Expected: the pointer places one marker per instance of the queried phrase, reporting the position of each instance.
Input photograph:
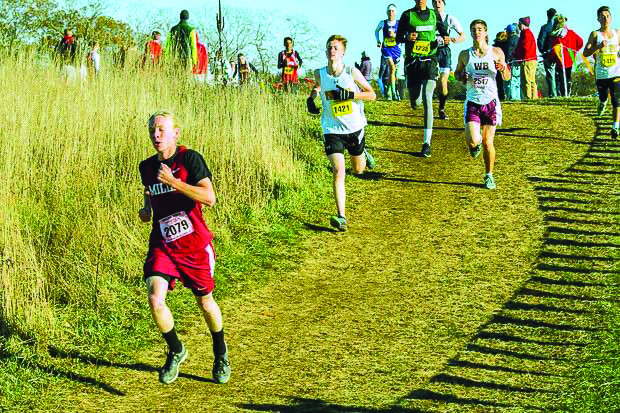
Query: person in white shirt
(477, 68)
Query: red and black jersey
(178, 225)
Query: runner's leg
(338, 170)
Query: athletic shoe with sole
(338, 222)
(614, 133)
(426, 150)
(442, 115)
(370, 160)
(600, 109)
(221, 369)
(475, 151)
(170, 371)
(489, 181)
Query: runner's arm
(145, 212)
(280, 60)
(377, 30)
(403, 28)
(592, 46)
(317, 85)
(201, 192)
(459, 29)
(460, 73)
(298, 58)
(500, 63)
(366, 92)
(441, 28)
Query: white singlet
(607, 59)
(340, 117)
(481, 85)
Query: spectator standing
(512, 87)
(565, 43)
(65, 50)
(501, 41)
(182, 43)
(525, 53)
(544, 47)
(365, 67)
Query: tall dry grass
(69, 233)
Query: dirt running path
(377, 311)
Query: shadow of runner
(56, 353)
(301, 405)
(552, 314)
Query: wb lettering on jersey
(481, 66)
(159, 189)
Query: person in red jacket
(525, 53)
(565, 43)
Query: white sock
(428, 134)
(616, 125)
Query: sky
(357, 20)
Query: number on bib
(480, 81)
(175, 226)
(421, 47)
(342, 108)
(389, 41)
(288, 70)
(608, 59)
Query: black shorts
(444, 57)
(612, 86)
(353, 142)
(421, 69)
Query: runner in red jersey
(152, 49)
(289, 61)
(177, 182)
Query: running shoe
(600, 109)
(489, 181)
(426, 150)
(170, 371)
(614, 133)
(370, 160)
(221, 369)
(338, 222)
(442, 114)
(475, 151)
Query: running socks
(219, 345)
(428, 134)
(442, 101)
(174, 344)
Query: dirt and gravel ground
(428, 302)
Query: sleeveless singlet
(607, 59)
(340, 117)
(481, 85)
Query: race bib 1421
(342, 108)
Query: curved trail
(372, 314)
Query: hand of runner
(144, 214)
(447, 40)
(413, 36)
(378, 44)
(603, 44)
(464, 77)
(312, 106)
(499, 66)
(164, 175)
(342, 94)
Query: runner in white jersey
(444, 56)
(604, 44)
(342, 89)
(477, 68)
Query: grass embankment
(71, 246)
